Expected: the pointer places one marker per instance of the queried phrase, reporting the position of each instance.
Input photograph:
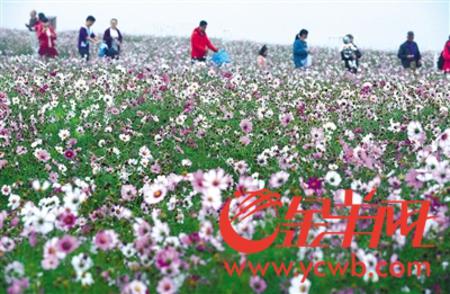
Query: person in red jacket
(38, 25)
(446, 57)
(47, 40)
(200, 43)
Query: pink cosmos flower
(166, 257)
(257, 284)
(50, 263)
(67, 244)
(245, 140)
(155, 168)
(42, 155)
(412, 180)
(66, 220)
(246, 126)
(286, 118)
(18, 286)
(128, 192)
(106, 240)
(166, 286)
(197, 181)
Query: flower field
(112, 174)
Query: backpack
(440, 63)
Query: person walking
(409, 53)
(300, 49)
(200, 43)
(113, 39)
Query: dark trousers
(84, 52)
(196, 59)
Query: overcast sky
(375, 23)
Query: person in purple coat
(113, 38)
(86, 36)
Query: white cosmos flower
(415, 131)
(136, 287)
(40, 187)
(212, 198)
(154, 193)
(299, 287)
(64, 134)
(215, 179)
(73, 197)
(13, 201)
(43, 221)
(85, 278)
(81, 263)
(333, 178)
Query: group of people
(112, 39)
(46, 36)
(408, 52)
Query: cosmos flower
(128, 192)
(278, 179)
(67, 244)
(333, 178)
(216, 179)
(106, 240)
(166, 286)
(246, 126)
(42, 155)
(70, 154)
(135, 287)
(299, 287)
(257, 284)
(154, 193)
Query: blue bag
(102, 50)
(220, 57)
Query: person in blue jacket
(409, 53)
(300, 49)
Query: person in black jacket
(113, 38)
(409, 53)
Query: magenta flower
(314, 183)
(69, 154)
(66, 220)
